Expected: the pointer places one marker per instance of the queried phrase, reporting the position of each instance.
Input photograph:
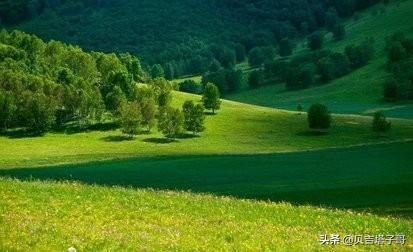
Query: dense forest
(183, 37)
(45, 84)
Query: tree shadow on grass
(210, 113)
(117, 138)
(20, 133)
(159, 140)
(312, 133)
(76, 128)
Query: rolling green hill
(360, 91)
(55, 216)
(236, 129)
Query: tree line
(182, 37)
(46, 86)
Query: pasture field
(236, 129)
(44, 216)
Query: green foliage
(7, 109)
(163, 91)
(211, 97)
(400, 64)
(333, 66)
(227, 81)
(260, 55)
(300, 77)
(157, 71)
(39, 112)
(170, 122)
(361, 54)
(190, 86)
(76, 85)
(193, 117)
(339, 32)
(319, 118)
(148, 112)
(315, 41)
(256, 79)
(130, 118)
(286, 47)
(380, 123)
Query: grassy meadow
(236, 129)
(257, 179)
(44, 216)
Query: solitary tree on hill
(319, 118)
(210, 97)
(380, 123)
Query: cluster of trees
(143, 113)
(181, 37)
(49, 84)
(319, 119)
(318, 66)
(399, 86)
(227, 80)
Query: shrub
(380, 123)
(319, 118)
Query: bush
(255, 79)
(380, 123)
(190, 86)
(319, 118)
(315, 41)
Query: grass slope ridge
(97, 218)
(236, 129)
(360, 91)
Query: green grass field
(236, 129)
(377, 177)
(359, 92)
(45, 216)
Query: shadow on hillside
(119, 138)
(19, 133)
(76, 128)
(159, 140)
(334, 177)
(312, 133)
(66, 129)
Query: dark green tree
(286, 47)
(380, 123)
(255, 79)
(157, 71)
(339, 32)
(170, 122)
(193, 117)
(315, 41)
(210, 98)
(7, 109)
(148, 113)
(319, 118)
(130, 118)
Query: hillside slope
(103, 218)
(360, 91)
(236, 129)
